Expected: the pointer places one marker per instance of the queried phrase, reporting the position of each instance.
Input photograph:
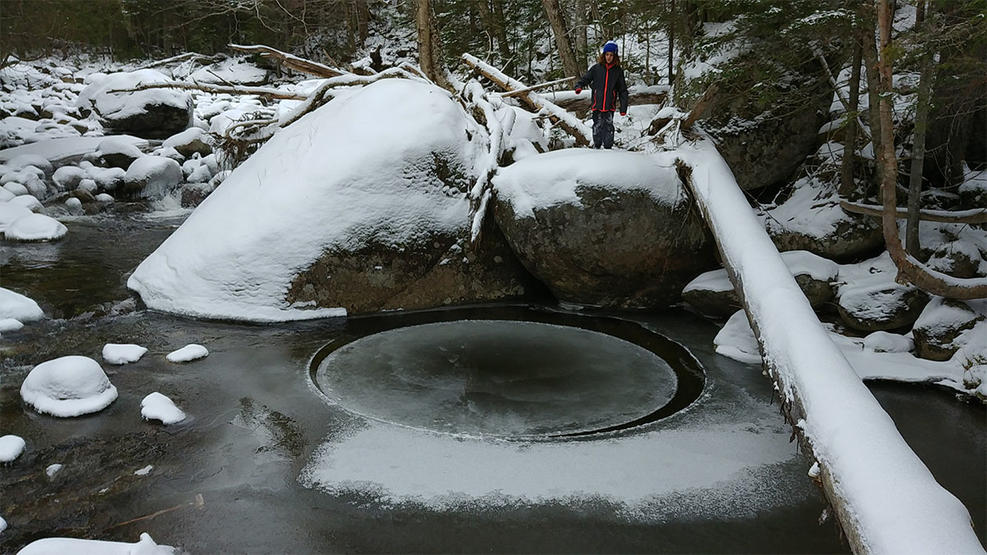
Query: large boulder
(152, 177)
(870, 300)
(602, 228)
(151, 113)
(358, 207)
(938, 328)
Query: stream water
(416, 432)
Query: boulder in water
(151, 113)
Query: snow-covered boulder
(960, 258)
(152, 113)
(736, 340)
(16, 188)
(35, 227)
(17, 306)
(118, 152)
(152, 177)
(11, 447)
(938, 328)
(712, 293)
(359, 206)
(29, 202)
(6, 195)
(68, 386)
(37, 161)
(159, 407)
(68, 177)
(602, 228)
(885, 342)
(10, 324)
(188, 353)
(48, 546)
(231, 70)
(870, 300)
(190, 141)
(122, 353)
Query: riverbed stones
(68, 386)
(117, 152)
(152, 177)
(598, 237)
(938, 328)
(190, 141)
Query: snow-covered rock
(152, 113)
(190, 141)
(118, 152)
(11, 447)
(188, 353)
(74, 205)
(68, 386)
(103, 197)
(10, 324)
(16, 188)
(53, 469)
(358, 206)
(10, 213)
(107, 179)
(884, 342)
(122, 353)
(870, 299)
(51, 546)
(736, 340)
(159, 407)
(940, 325)
(603, 228)
(231, 70)
(22, 161)
(29, 202)
(6, 195)
(152, 177)
(35, 227)
(17, 306)
(68, 177)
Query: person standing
(607, 80)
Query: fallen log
(973, 216)
(564, 119)
(290, 61)
(219, 89)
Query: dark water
(256, 423)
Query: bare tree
(922, 102)
(555, 18)
(848, 186)
(430, 45)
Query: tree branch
(974, 216)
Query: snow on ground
(122, 353)
(68, 386)
(144, 471)
(53, 469)
(10, 324)
(11, 447)
(188, 353)
(52, 546)
(3, 525)
(314, 186)
(552, 178)
(159, 407)
(18, 307)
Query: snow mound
(188, 353)
(10, 213)
(232, 70)
(159, 407)
(122, 353)
(29, 202)
(798, 262)
(50, 546)
(35, 227)
(17, 306)
(549, 179)
(53, 469)
(127, 104)
(358, 169)
(736, 340)
(10, 324)
(153, 176)
(68, 386)
(11, 447)
(885, 342)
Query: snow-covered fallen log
(886, 499)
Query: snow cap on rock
(145, 546)
(11, 447)
(159, 407)
(122, 353)
(17, 306)
(68, 386)
(188, 353)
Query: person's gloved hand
(579, 90)
(623, 114)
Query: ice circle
(504, 378)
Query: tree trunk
(555, 18)
(430, 45)
(910, 270)
(579, 29)
(848, 188)
(507, 60)
(924, 95)
(873, 87)
(671, 40)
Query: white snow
(160, 175)
(122, 353)
(886, 342)
(892, 502)
(53, 469)
(11, 447)
(35, 227)
(59, 546)
(60, 149)
(545, 180)
(68, 386)
(119, 144)
(29, 202)
(3, 525)
(159, 407)
(339, 177)
(10, 324)
(18, 307)
(10, 213)
(188, 353)
(736, 340)
(144, 471)
(230, 71)
(798, 263)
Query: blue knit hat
(610, 46)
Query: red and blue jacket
(608, 87)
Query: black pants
(602, 129)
